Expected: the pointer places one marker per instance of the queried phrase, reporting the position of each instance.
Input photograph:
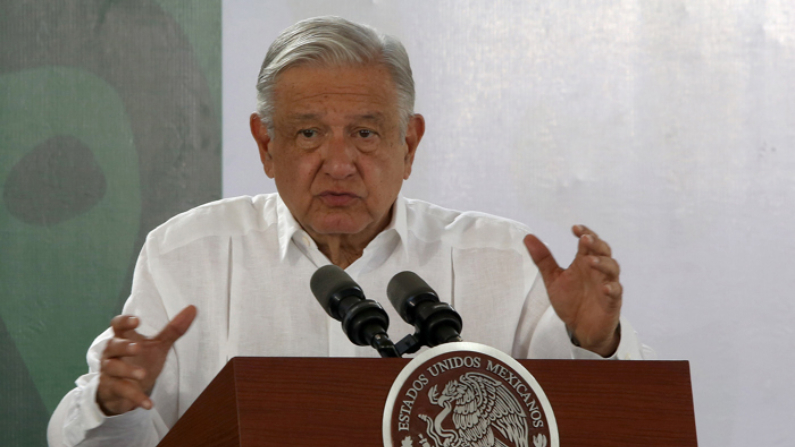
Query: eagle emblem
(484, 414)
(467, 395)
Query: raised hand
(131, 362)
(587, 294)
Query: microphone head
(330, 284)
(406, 291)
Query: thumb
(541, 256)
(177, 327)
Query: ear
(260, 133)
(414, 133)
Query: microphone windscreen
(329, 281)
(405, 287)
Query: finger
(613, 290)
(120, 347)
(586, 238)
(122, 324)
(121, 370)
(591, 244)
(177, 327)
(598, 246)
(542, 257)
(116, 396)
(581, 230)
(606, 265)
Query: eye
(309, 138)
(365, 133)
(308, 133)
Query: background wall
(109, 125)
(666, 125)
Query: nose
(340, 157)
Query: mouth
(332, 198)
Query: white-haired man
(336, 129)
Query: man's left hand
(586, 295)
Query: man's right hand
(131, 362)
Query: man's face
(337, 151)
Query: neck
(341, 251)
(344, 249)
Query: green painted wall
(109, 125)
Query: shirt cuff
(629, 347)
(550, 340)
(89, 415)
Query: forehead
(310, 90)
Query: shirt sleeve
(78, 420)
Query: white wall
(668, 126)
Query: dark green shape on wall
(109, 125)
(54, 182)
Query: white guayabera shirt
(245, 263)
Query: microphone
(364, 321)
(417, 303)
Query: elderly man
(336, 130)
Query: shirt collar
(400, 222)
(288, 226)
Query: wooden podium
(340, 402)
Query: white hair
(334, 41)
